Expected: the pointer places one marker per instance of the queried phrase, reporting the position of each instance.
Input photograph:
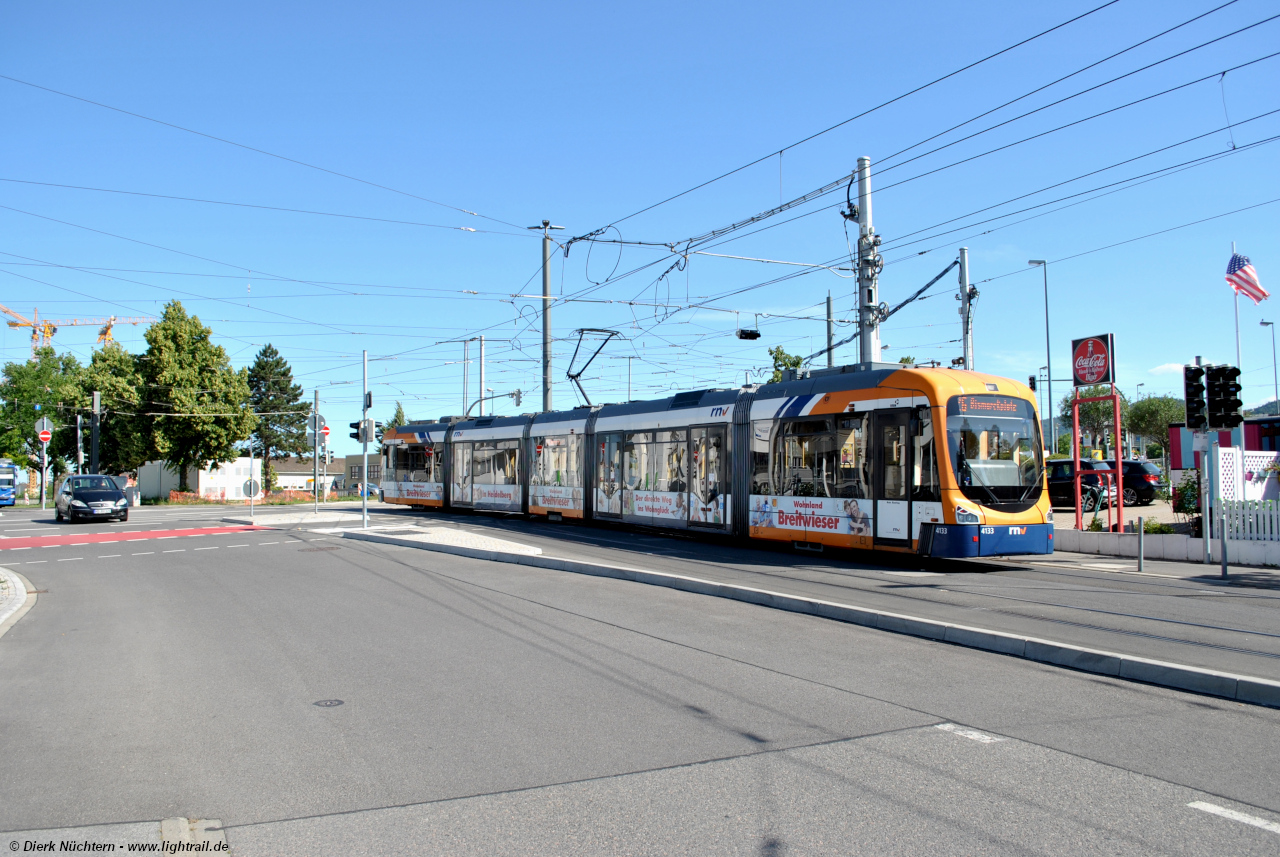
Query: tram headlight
(1048, 518)
(965, 516)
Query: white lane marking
(179, 550)
(237, 546)
(260, 544)
(71, 559)
(915, 573)
(20, 549)
(78, 544)
(108, 556)
(971, 734)
(214, 548)
(144, 553)
(37, 561)
(1235, 816)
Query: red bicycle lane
(128, 536)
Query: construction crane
(42, 330)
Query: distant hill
(1267, 410)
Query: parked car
(1142, 481)
(1062, 491)
(83, 497)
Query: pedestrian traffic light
(357, 434)
(1193, 391)
(375, 430)
(1223, 397)
(368, 400)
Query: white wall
(224, 482)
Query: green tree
(55, 383)
(398, 418)
(907, 361)
(1096, 418)
(1152, 416)
(122, 433)
(282, 420)
(781, 361)
(199, 404)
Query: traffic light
(1224, 397)
(357, 434)
(368, 401)
(375, 430)
(516, 398)
(1031, 382)
(1193, 392)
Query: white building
(223, 482)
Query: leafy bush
(1186, 497)
(1095, 526)
(1155, 528)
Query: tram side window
(636, 451)
(411, 463)
(557, 460)
(666, 459)
(761, 478)
(495, 462)
(852, 437)
(609, 464)
(924, 471)
(806, 459)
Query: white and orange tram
(940, 462)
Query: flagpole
(1237, 302)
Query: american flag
(1244, 279)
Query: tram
(939, 462)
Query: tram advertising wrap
(939, 462)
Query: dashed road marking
(144, 553)
(71, 559)
(214, 548)
(260, 544)
(1235, 816)
(179, 550)
(108, 556)
(37, 561)
(971, 734)
(237, 546)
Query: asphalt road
(495, 709)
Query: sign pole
(251, 485)
(315, 451)
(44, 469)
(364, 419)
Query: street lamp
(1274, 377)
(1137, 393)
(1048, 352)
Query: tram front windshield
(995, 449)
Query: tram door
(891, 480)
(708, 507)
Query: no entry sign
(45, 436)
(324, 430)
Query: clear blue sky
(585, 113)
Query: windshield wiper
(974, 474)
(1035, 483)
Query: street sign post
(44, 431)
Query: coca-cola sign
(1093, 360)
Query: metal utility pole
(466, 389)
(79, 446)
(869, 264)
(364, 468)
(831, 333)
(1275, 375)
(546, 228)
(966, 310)
(94, 422)
(315, 449)
(481, 396)
(1048, 353)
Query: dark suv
(1062, 490)
(1142, 480)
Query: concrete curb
(17, 603)
(1258, 691)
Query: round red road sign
(1091, 361)
(324, 430)
(45, 436)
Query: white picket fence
(1252, 520)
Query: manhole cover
(328, 703)
(317, 550)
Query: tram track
(842, 580)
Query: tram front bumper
(965, 540)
